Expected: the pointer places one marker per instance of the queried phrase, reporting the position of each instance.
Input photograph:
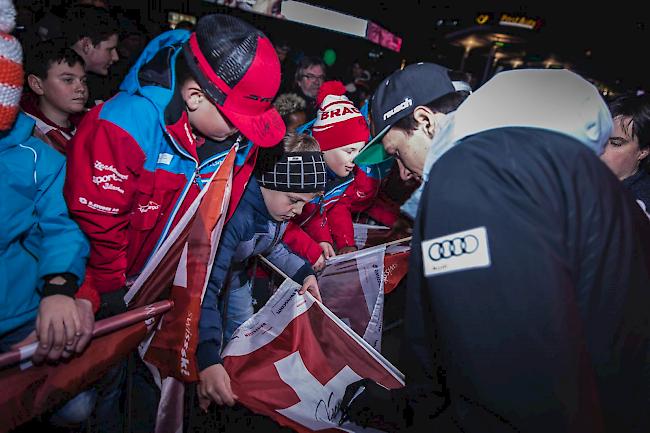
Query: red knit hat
(11, 68)
(338, 122)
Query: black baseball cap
(396, 97)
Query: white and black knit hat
(293, 172)
(11, 66)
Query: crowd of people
(528, 296)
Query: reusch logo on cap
(400, 107)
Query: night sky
(607, 45)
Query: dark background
(605, 45)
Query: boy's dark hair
(83, 21)
(183, 72)
(444, 104)
(40, 57)
(308, 62)
(637, 109)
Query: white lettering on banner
(318, 408)
(400, 107)
(464, 250)
(112, 187)
(99, 207)
(389, 270)
(103, 167)
(185, 362)
(165, 158)
(152, 205)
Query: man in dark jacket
(529, 285)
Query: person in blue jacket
(286, 177)
(42, 251)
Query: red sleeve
(363, 191)
(301, 243)
(358, 196)
(339, 216)
(103, 169)
(384, 210)
(318, 228)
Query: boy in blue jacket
(42, 251)
(286, 177)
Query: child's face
(204, 116)
(341, 159)
(285, 205)
(64, 89)
(100, 57)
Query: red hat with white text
(338, 122)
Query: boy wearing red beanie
(341, 131)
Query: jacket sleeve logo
(456, 252)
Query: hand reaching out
(311, 285)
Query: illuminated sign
(519, 21)
(383, 37)
(485, 18)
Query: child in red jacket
(325, 228)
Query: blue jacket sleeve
(210, 326)
(64, 247)
(291, 264)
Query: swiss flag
(293, 360)
(397, 256)
(352, 287)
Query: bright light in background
(305, 13)
(325, 18)
(516, 63)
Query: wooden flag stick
(272, 266)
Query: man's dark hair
(444, 104)
(40, 57)
(83, 21)
(307, 62)
(637, 109)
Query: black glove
(60, 284)
(376, 407)
(111, 304)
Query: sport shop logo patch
(456, 252)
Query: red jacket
(133, 170)
(331, 221)
(121, 200)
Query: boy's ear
(425, 119)
(36, 84)
(86, 44)
(192, 95)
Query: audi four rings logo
(453, 247)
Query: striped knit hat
(338, 122)
(11, 67)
